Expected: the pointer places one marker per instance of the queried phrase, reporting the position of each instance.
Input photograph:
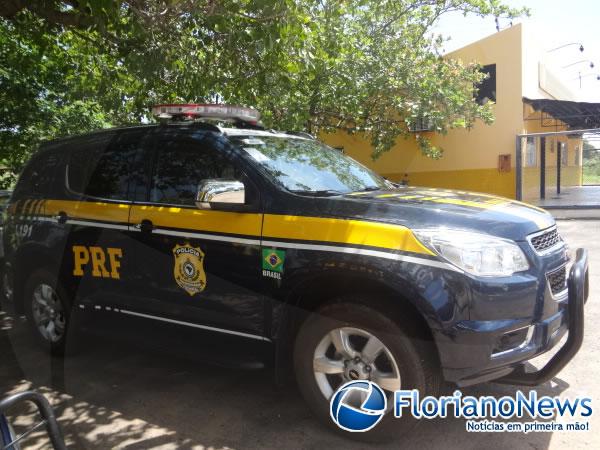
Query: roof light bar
(192, 110)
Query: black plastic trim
(578, 291)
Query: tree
(319, 65)
(589, 150)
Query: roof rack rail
(303, 134)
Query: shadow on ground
(118, 395)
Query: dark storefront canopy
(577, 115)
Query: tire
(42, 285)
(413, 357)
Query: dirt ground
(117, 396)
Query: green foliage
(591, 164)
(588, 148)
(318, 65)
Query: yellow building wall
(470, 159)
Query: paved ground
(121, 397)
(571, 197)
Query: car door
(201, 267)
(91, 218)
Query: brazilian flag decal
(273, 260)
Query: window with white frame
(530, 152)
(564, 154)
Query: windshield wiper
(319, 193)
(370, 188)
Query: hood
(416, 207)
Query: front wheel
(349, 341)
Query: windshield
(308, 166)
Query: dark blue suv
(276, 241)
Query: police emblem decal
(189, 268)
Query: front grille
(557, 280)
(545, 241)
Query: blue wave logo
(358, 406)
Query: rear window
(103, 168)
(37, 177)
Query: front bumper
(471, 346)
(578, 283)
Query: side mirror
(225, 193)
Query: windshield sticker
(253, 141)
(256, 154)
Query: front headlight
(476, 253)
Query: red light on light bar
(208, 111)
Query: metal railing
(48, 420)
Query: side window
(38, 175)
(84, 160)
(530, 152)
(564, 154)
(180, 166)
(106, 169)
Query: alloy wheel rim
(48, 313)
(347, 354)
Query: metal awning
(577, 115)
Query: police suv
(278, 241)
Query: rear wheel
(6, 289)
(48, 310)
(349, 341)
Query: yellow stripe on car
(357, 232)
(387, 195)
(302, 228)
(198, 220)
(91, 210)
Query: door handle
(61, 217)
(145, 226)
